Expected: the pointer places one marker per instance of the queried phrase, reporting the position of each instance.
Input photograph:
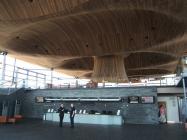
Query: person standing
(61, 114)
(72, 115)
(162, 114)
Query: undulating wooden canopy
(111, 40)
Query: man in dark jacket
(72, 115)
(61, 114)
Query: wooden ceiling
(111, 40)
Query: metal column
(103, 84)
(3, 66)
(16, 78)
(76, 82)
(27, 79)
(51, 77)
(44, 81)
(185, 103)
(13, 75)
(36, 80)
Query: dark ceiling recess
(36, 46)
(153, 28)
(146, 37)
(30, 0)
(47, 51)
(17, 37)
(100, 44)
(131, 39)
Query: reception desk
(87, 118)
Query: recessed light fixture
(46, 51)
(35, 46)
(30, 0)
(100, 44)
(153, 28)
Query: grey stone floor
(39, 130)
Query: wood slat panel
(150, 35)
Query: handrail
(35, 79)
(4, 82)
(25, 69)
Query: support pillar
(185, 97)
(109, 68)
(36, 80)
(44, 81)
(76, 82)
(51, 77)
(3, 67)
(14, 70)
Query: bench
(3, 119)
(11, 120)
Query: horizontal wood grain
(72, 35)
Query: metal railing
(17, 77)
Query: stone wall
(132, 113)
(10, 101)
